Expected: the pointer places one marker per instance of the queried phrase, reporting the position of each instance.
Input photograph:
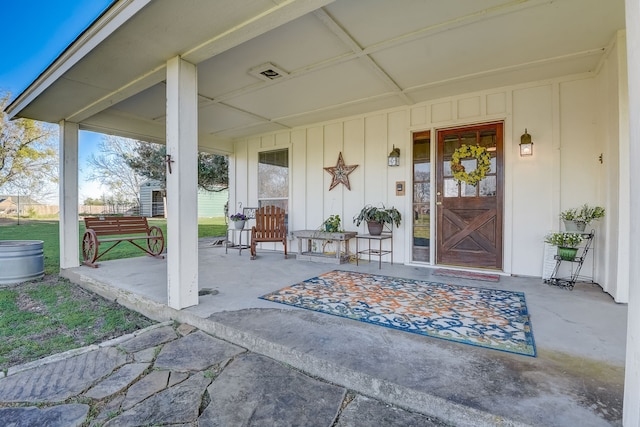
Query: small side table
(231, 239)
(379, 252)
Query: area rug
(467, 275)
(490, 318)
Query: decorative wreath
(477, 152)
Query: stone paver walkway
(166, 375)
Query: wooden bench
(119, 229)
(270, 227)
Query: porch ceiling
(338, 58)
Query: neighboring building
(12, 204)
(151, 199)
(210, 203)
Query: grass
(52, 315)
(47, 231)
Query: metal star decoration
(340, 173)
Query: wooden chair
(270, 227)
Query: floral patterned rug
(490, 318)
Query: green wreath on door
(471, 151)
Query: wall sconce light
(394, 157)
(526, 146)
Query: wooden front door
(469, 217)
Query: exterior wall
(631, 409)
(561, 115)
(210, 203)
(615, 188)
(146, 198)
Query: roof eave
(110, 20)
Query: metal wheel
(90, 246)
(156, 242)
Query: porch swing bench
(119, 229)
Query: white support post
(182, 183)
(631, 409)
(69, 229)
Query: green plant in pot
(331, 224)
(567, 244)
(376, 218)
(577, 219)
(588, 213)
(238, 220)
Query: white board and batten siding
(562, 115)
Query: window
(421, 195)
(273, 178)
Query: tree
(213, 172)
(110, 167)
(28, 154)
(123, 164)
(89, 201)
(149, 161)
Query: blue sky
(33, 34)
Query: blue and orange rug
(490, 318)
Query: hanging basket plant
(482, 157)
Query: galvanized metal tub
(21, 260)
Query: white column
(182, 184)
(69, 230)
(631, 408)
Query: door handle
(438, 203)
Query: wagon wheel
(156, 241)
(89, 246)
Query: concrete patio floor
(576, 379)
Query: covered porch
(314, 79)
(576, 378)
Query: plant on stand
(376, 218)
(588, 213)
(577, 219)
(567, 244)
(331, 224)
(238, 220)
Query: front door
(469, 196)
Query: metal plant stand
(231, 239)
(569, 282)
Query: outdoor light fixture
(394, 157)
(526, 146)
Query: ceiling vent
(268, 72)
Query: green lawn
(52, 315)
(47, 231)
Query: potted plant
(376, 218)
(577, 219)
(567, 244)
(588, 213)
(331, 224)
(238, 220)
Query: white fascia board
(103, 27)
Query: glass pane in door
(421, 196)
